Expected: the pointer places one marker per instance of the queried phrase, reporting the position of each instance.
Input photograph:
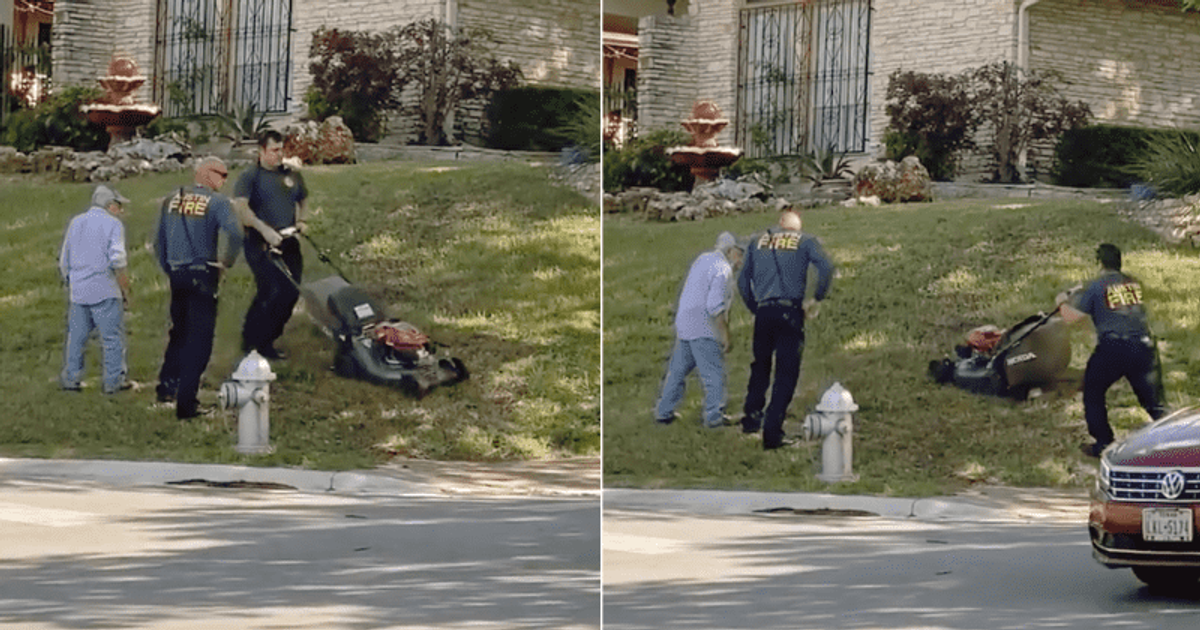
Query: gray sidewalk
(571, 478)
(988, 503)
(574, 478)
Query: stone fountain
(703, 156)
(119, 112)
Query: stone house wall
(82, 39)
(556, 42)
(363, 15)
(917, 35)
(1132, 61)
(685, 58)
(666, 79)
(1134, 64)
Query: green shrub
(584, 129)
(1171, 162)
(825, 164)
(356, 75)
(540, 118)
(935, 116)
(1020, 108)
(163, 125)
(1100, 156)
(644, 162)
(930, 116)
(57, 121)
(750, 166)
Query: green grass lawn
(912, 280)
(489, 259)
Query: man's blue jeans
(705, 356)
(108, 318)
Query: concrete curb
(158, 473)
(707, 502)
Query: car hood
(1172, 441)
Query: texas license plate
(1167, 524)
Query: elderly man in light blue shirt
(92, 265)
(702, 333)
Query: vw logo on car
(1172, 485)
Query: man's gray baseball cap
(726, 240)
(105, 195)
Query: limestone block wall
(86, 34)
(666, 80)
(686, 57)
(696, 55)
(556, 42)
(934, 36)
(358, 15)
(715, 48)
(1135, 64)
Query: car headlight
(1104, 481)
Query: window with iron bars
(803, 76)
(24, 72)
(219, 56)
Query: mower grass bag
(373, 347)
(1032, 354)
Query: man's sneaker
(165, 392)
(752, 422)
(125, 385)
(1093, 450)
(785, 442)
(195, 412)
(669, 419)
(721, 424)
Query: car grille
(1144, 484)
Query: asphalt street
(127, 545)
(997, 558)
(427, 545)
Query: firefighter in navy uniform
(773, 284)
(186, 245)
(271, 197)
(1124, 346)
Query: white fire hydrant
(250, 389)
(832, 420)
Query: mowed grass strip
(912, 281)
(497, 265)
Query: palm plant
(820, 165)
(1171, 163)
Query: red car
(1144, 509)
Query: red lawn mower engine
(375, 348)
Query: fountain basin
(120, 115)
(704, 162)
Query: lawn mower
(370, 345)
(1033, 354)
